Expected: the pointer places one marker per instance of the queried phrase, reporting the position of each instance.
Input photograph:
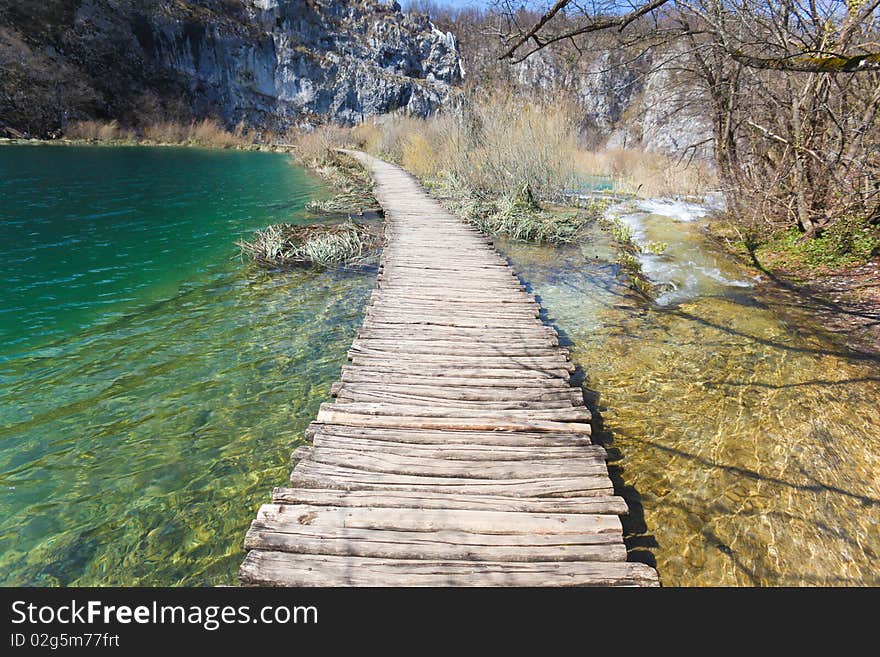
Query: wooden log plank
(472, 311)
(447, 437)
(461, 451)
(469, 393)
(453, 362)
(447, 374)
(361, 375)
(443, 348)
(308, 474)
(266, 567)
(379, 396)
(499, 423)
(476, 318)
(453, 322)
(499, 523)
(423, 334)
(430, 545)
(362, 408)
(455, 297)
(430, 466)
(448, 501)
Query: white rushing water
(685, 269)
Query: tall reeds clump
(207, 132)
(282, 246)
(316, 147)
(495, 144)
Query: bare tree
(791, 85)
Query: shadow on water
(638, 540)
(850, 354)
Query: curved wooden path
(456, 452)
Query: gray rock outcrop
(267, 63)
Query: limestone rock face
(626, 100)
(269, 63)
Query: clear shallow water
(748, 443)
(143, 419)
(684, 270)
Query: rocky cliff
(268, 63)
(627, 100)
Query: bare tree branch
(595, 25)
(812, 64)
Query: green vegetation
(619, 231)
(655, 248)
(628, 253)
(846, 242)
(281, 246)
(517, 216)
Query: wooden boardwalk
(456, 453)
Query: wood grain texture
(457, 452)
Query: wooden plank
(600, 527)
(482, 358)
(432, 466)
(442, 348)
(272, 568)
(447, 373)
(438, 379)
(309, 474)
(468, 393)
(447, 437)
(461, 451)
(421, 335)
(570, 414)
(390, 397)
(338, 415)
(450, 501)
(386, 544)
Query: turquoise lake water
(151, 385)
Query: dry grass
(208, 132)
(313, 148)
(647, 174)
(282, 246)
(497, 144)
(102, 131)
(493, 161)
